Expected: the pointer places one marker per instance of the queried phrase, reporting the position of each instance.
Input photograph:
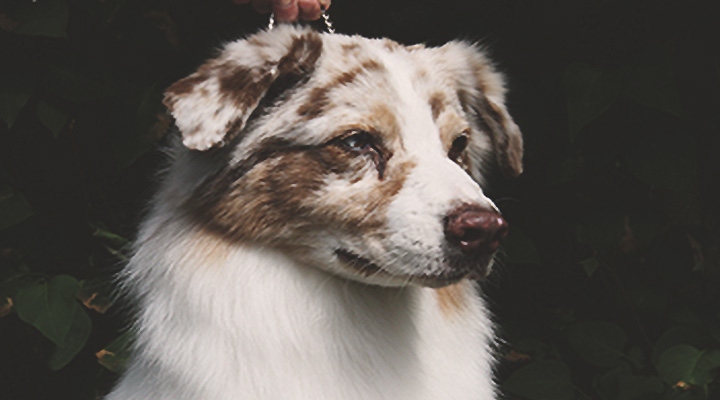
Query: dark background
(609, 284)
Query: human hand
(290, 10)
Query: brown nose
(475, 230)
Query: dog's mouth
(360, 264)
(368, 268)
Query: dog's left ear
(214, 104)
(483, 92)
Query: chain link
(325, 16)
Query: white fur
(221, 319)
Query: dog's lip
(368, 268)
(361, 264)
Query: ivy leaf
(74, 341)
(52, 118)
(668, 161)
(150, 124)
(49, 306)
(590, 265)
(13, 97)
(620, 384)
(542, 380)
(42, 18)
(77, 85)
(652, 82)
(520, 248)
(590, 91)
(14, 208)
(685, 363)
(599, 343)
(693, 335)
(602, 233)
(115, 355)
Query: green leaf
(77, 85)
(52, 118)
(150, 123)
(541, 380)
(590, 91)
(637, 357)
(590, 265)
(77, 336)
(620, 384)
(694, 335)
(101, 232)
(42, 18)
(685, 363)
(603, 233)
(116, 354)
(568, 171)
(534, 346)
(520, 248)
(667, 160)
(599, 343)
(652, 82)
(13, 97)
(50, 306)
(14, 208)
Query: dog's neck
(215, 316)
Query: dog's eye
(359, 141)
(457, 147)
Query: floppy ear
(504, 133)
(484, 93)
(214, 104)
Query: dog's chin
(364, 270)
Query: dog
(321, 228)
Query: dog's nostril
(475, 229)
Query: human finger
(324, 4)
(285, 10)
(262, 6)
(309, 9)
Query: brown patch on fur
(182, 87)
(437, 104)
(452, 299)
(208, 247)
(366, 211)
(392, 45)
(280, 197)
(383, 119)
(451, 125)
(350, 48)
(246, 86)
(318, 100)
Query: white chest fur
(225, 322)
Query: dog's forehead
(382, 84)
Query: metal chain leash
(325, 16)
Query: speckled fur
(279, 262)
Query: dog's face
(360, 156)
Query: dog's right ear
(213, 105)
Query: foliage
(609, 286)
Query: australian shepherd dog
(321, 226)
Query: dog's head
(360, 156)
